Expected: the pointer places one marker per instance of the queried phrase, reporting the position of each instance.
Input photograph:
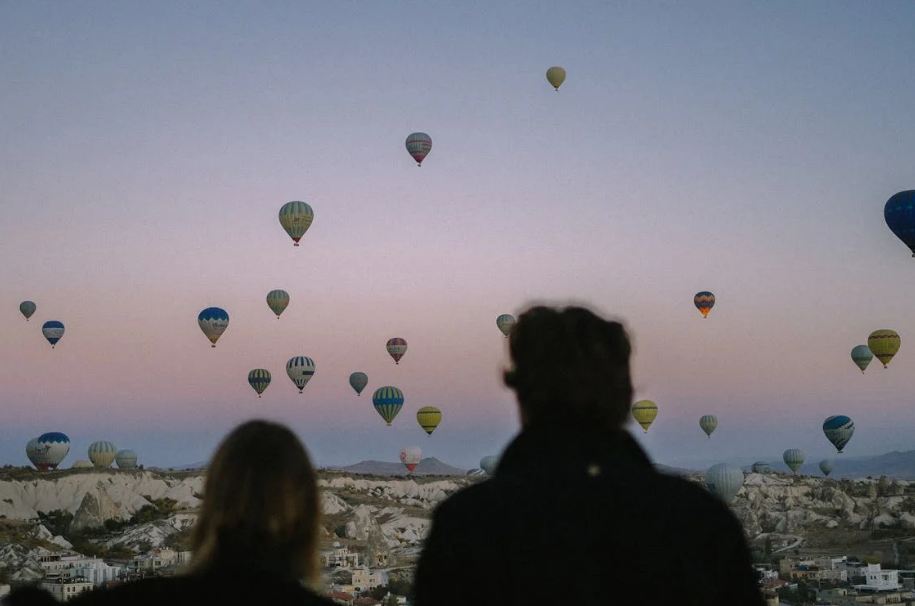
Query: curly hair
(570, 367)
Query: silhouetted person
(575, 512)
(256, 536)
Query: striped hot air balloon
(213, 321)
(839, 430)
(419, 145)
(259, 380)
(708, 423)
(358, 381)
(278, 301)
(489, 464)
(53, 331)
(505, 322)
(428, 418)
(724, 481)
(761, 467)
(704, 302)
(644, 412)
(396, 347)
(126, 459)
(102, 453)
(884, 344)
(388, 401)
(296, 217)
(794, 458)
(300, 369)
(27, 308)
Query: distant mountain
(427, 467)
(899, 465)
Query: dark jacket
(584, 518)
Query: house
(365, 579)
(160, 558)
(341, 557)
(64, 566)
(878, 579)
(65, 589)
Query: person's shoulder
(155, 590)
(691, 499)
(468, 502)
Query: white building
(161, 558)
(68, 566)
(98, 572)
(341, 557)
(365, 579)
(880, 580)
(65, 590)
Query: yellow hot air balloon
(428, 418)
(884, 344)
(644, 413)
(556, 76)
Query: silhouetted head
(260, 506)
(570, 368)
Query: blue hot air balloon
(388, 401)
(213, 322)
(838, 430)
(53, 331)
(51, 449)
(899, 213)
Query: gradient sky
(743, 148)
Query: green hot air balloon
(27, 308)
(556, 76)
(724, 481)
(794, 458)
(884, 344)
(826, 467)
(259, 380)
(708, 423)
(505, 323)
(388, 401)
(861, 355)
(278, 301)
(358, 381)
(296, 217)
(489, 464)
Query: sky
(743, 148)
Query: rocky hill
(427, 467)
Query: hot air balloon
(489, 464)
(708, 423)
(213, 322)
(419, 145)
(53, 331)
(358, 381)
(52, 448)
(27, 308)
(278, 301)
(793, 458)
(388, 401)
(884, 344)
(761, 467)
(826, 467)
(644, 412)
(724, 481)
(396, 347)
(410, 456)
(704, 302)
(556, 76)
(899, 213)
(296, 217)
(102, 453)
(505, 322)
(32, 451)
(428, 418)
(300, 369)
(259, 380)
(838, 430)
(126, 459)
(861, 355)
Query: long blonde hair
(260, 505)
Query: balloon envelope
(724, 481)
(52, 448)
(884, 344)
(300, 370)
(761, 467)
(505, 322)
(826, 467)
(410, 456)
(53, 331)
(861, 355)
(644, 412)
(428, 418)
(278, 301)
(708, 423)
(358, 381)
(388, 401)
(32, 451)
(418, 146)
(27, 308)
(213, 321)
(704, 302)
(126, 459)
(489, 464)
(102, 453)
(259, 379)
(296, 217)
(793, 458)
(899, 213)
(556, 76)
(396, 347)
(838, 430)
